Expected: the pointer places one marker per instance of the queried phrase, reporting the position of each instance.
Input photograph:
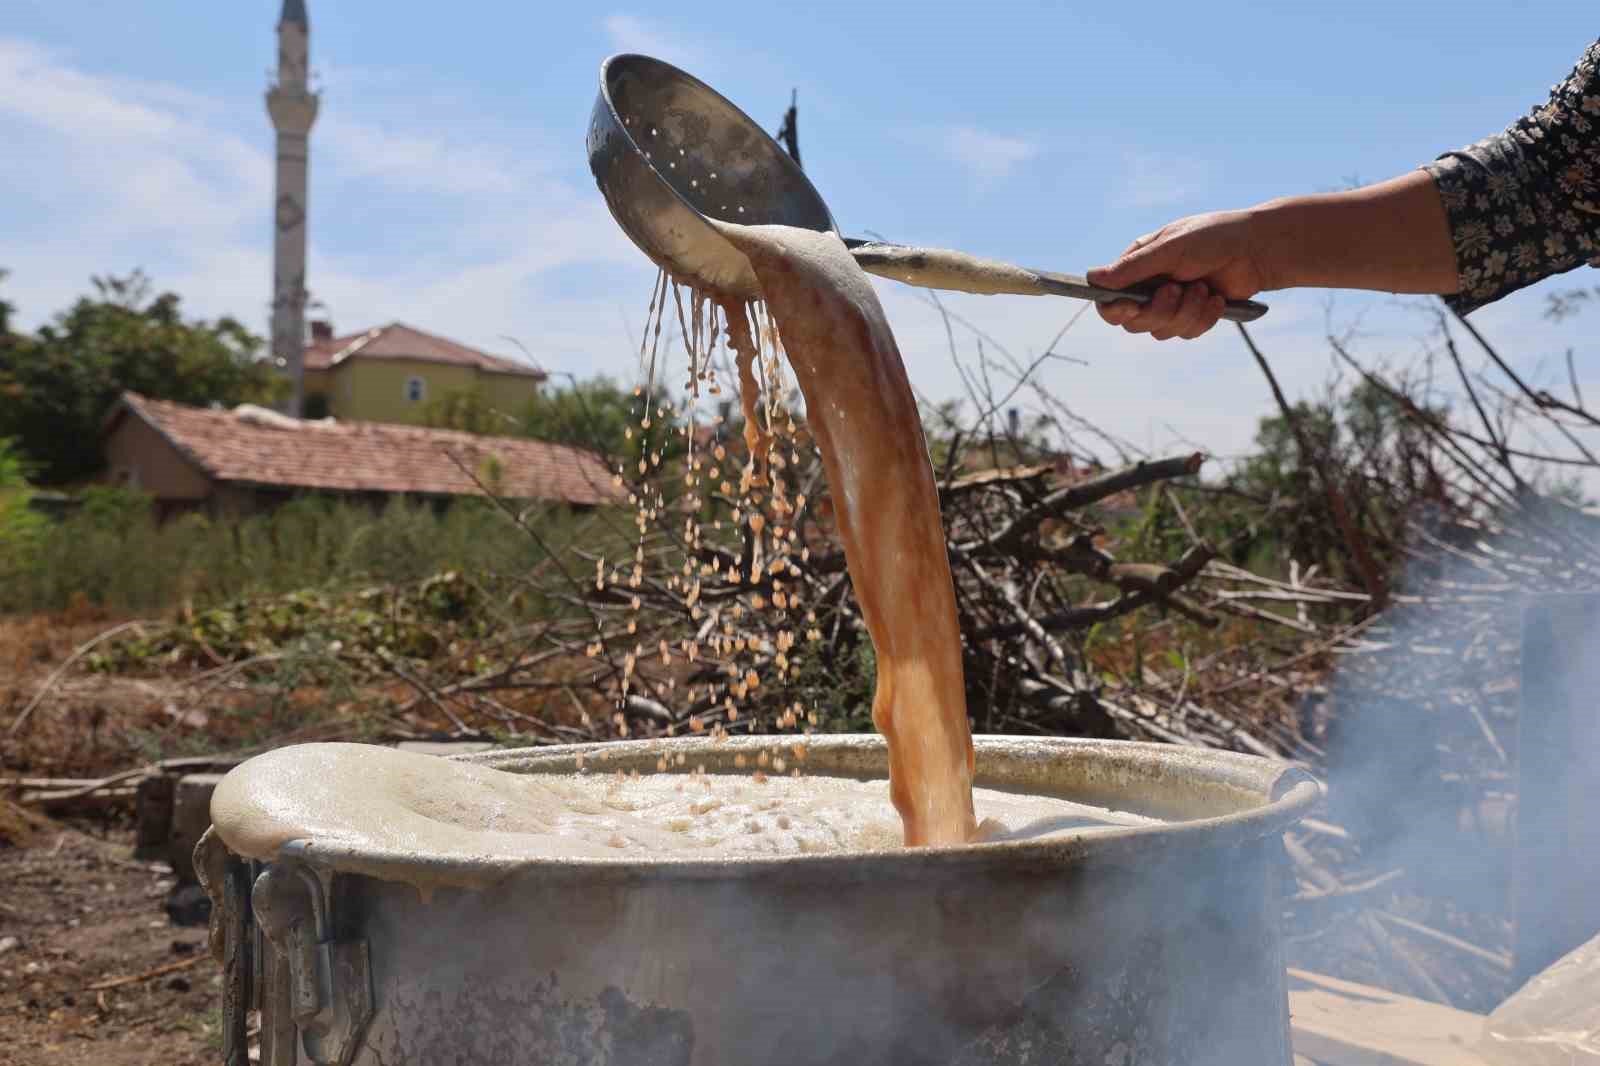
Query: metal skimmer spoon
(668, 150)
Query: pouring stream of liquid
(861, 410)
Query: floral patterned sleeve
(1525, 204)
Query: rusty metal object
(1122, 945)
(211, 858)
(279, 1036)
(327, 979)
(238, 963)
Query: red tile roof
(399, 341)
(273, 450)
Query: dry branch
(1499, 960)
(61, 671)
(147, 975)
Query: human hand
(1210, 260)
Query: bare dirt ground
(75, 909)
(77, 912)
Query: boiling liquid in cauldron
(378, 799)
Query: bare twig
(1496, 959)
(150, 974)
(56, 675)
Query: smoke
(1457, 754)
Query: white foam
(381, 800)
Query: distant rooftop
(249, 446)
(399, 341)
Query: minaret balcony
(292, 111)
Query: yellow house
(391, 373)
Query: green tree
(603, 416)
(1276, 467)
(21, 527)
(60, 383)
(1367, 444)
(469, 410)
(6, 310)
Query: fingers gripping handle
(1068, 285)
(937, 268)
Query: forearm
(1390, 237)
(1471, 226)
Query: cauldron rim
(1267, 797)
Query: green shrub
(112, 552)
(344, 630)
(21, 527)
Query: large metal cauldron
(1115, 947)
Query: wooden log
(52, 783)
(1342, 1023)
(65, 802)
(153, 816)
(191, 817)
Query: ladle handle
(938, 268)
(1144, 292)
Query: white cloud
(135, 153)
(413, 160)
(984, 153)
(1156, 180)
(630, 33)
(41, 90)
(144, 174)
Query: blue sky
(449, 187)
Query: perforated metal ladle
(669, 151)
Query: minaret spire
(293, 107)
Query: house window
(416, 389)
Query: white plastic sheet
(1553, 1020)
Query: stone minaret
(293, 107)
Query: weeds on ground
(113, 552)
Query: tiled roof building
(241, 459)
(391, 374)
(402, 342)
